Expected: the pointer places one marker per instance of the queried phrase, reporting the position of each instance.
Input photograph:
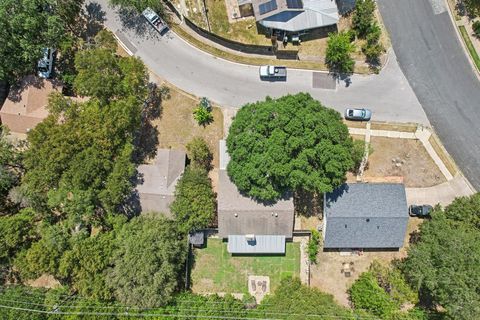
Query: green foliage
(199, 153)
(298, 300)
(10, 169)
(44, 255)
(85, 265)
(473, 7)
(285, 144)
(139, 5)
(82, 165)
(443, 265)
(27, 26)
(313, 245)
(148, 263)
(476, 28)
(358, 152)
(338, 55)
(363, 17)
(194, 205)
(105, 39)
(203, 113)
(16, 296)
(16, 233)
(366, 294)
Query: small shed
(197, 239)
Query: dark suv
(421, 211)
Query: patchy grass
(469, 44)
(176, 126)
(402, 127)
(216, 270)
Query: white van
(45, 64)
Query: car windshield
(350, 113)
(363, 112)
(43, 69)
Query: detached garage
(365, 216)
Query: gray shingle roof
(158, 180)
(366, 215)
(240, 215)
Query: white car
(45, 64)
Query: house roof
(158, 180)
(366, 215)
(296, 15)
(239, 214)
(26, 104)
(239, 244)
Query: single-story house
(25, 106)
(365, 216)
(292, 15)
(158, 180)
(251, 227)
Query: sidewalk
(444, 193)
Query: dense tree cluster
(28, 26)
(288, 144)
(443, 264)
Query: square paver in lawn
(215, 270)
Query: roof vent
(236, 215)
(345, 226)
(368, 220)
(276, 214)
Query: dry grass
(402, 127)
(411, 161)
(176, 126)
(355, 124)
(443, 154)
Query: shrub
(313, 245)
(203, 113)
(338, 56)
(363, 17)
(199, 153)
(476, 28)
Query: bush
(363, 17)
(313, 245)
(203, 113)
(338, 56)
(476, 28)
(199, 153)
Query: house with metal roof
(365, 216)
(157, 181)
(251, 227)
(295, 15)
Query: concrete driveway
(437, 68)
(229, 84)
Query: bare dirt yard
(403, 157)
(327, 273)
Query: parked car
(358, 114)
(45, 64)
(273, 73)
(420, 211)
(154, 19)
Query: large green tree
(288, 144)
(149, 262)
(10, 169)
(338, 55)
(194, 204)
(27, 26)
(443, 265)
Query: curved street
(428, 52)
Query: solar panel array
(294, 4)
(268, 6)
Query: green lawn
(215, 270)
(471, 48)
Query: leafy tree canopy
(290, 143)
(10, 169)
(149, 263)
(338, 55)
(199, 153)
(28, 26)
(194, 204)
(443, 265)
(363, 17)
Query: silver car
(358, 114)
(45, 64)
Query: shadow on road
(133, 21)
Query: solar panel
(267, 6)
(294, 4)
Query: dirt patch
(327, 273)
(176, 126)
(44, 281)
(403, 157)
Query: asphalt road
(432, 59)
(229, 84)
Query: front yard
(215, 270)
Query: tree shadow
(308, 204)
(133, 21)
(93, 18)
(346, 78)
(15, 93)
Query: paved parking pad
(322, 80)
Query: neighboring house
(25, 106)
(251, 227)
(292, 15)
(365, 216)
(157, 181)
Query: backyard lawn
(215, 270)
